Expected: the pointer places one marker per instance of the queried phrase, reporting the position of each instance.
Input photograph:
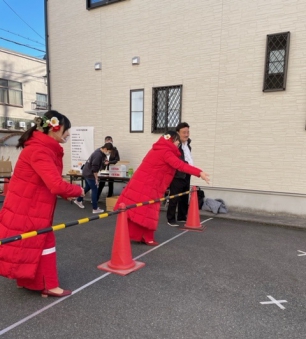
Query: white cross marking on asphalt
(274, 301)
(299, 255)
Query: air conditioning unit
(22, 124)
(9, 123)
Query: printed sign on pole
(82, 145)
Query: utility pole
(47, 55)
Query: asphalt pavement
(243, 277)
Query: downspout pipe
(47, 54)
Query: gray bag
(214, 205)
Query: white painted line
(50, 305)
(299, 255)
(274, 301)
(202, 222)
(160, 245)
(9, 328)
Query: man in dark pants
(112, 159)
(90, 173)
(181, 181)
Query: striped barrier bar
(84, 220)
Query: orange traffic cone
(121, 261)
(5, 187)
(193, 217)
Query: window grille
(166, 108)
(276, 63)
(41, 101)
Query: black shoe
(172, 223)
(181, 220)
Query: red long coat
(30, 203)
(151, 180)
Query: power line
(17, 43)
(22, 37)
(21, 55)
(22, 19)
(29, 75)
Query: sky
(22, 22)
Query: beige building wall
(252, 143)
(29, 71)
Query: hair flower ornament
(167, 136)
(53, 123)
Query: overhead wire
(18, 43)
(5, 30)
(28, 75)
(22, 19)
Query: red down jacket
(30, 202)
(151, 180)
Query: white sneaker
(79, 203)
(98, 210)
(172, 224)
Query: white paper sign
(82, 145)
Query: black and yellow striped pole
(84, 220)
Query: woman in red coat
(30, 203)
(150, 181)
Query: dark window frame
(131, 111)
(170, 120)
(276, 62)
(100, 3)
(8, 89)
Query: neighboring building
(233, 69)
(23, 94)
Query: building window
(41, 101)
(277, 52)
(98, 3)
(10, 92)
(166, 108)
(136, 110)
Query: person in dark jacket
(112, 159)
(90, 173)
(181, 181)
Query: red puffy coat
(151, 180)
(30, 202)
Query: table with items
(110, 201)
(102, 177)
